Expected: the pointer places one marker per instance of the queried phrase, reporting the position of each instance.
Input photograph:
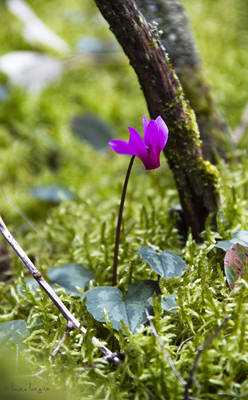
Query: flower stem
(118, 228)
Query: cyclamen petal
(121, 147)
(136, 142)
(149, 149)
(156, 134)
(150, 134)
(163, 131)
(145, 123)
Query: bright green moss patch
(37, 147)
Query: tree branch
(175, 35)
(196, 179)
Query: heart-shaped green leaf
(235, 262)
(240, 237)
(168, 264)
(69, 276)
(130, 310)
(31, 285)
(93, 129)
(11, 331)
(169, 303)
(51, 193)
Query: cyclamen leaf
(11, 331)
(93, 129)
(240, 237)
(69, 276)
(235, 262)
(31, 285)
(169, 303)
(3, 92)
(51, 193)
(130, 311)
(168, 264)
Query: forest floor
(38, 148)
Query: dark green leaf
(31, 284)
(93, 129)
(51, 193)
(69, 276)
(11, 331)
(225, 244)
(168, 303)
(131, 310)
(240, 237)
(235, 262)
(3, 92)
(168, 264)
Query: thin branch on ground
(69, 328)
(172, 365)
(108, 355)
(197, 357)
(19, 211)
(35, 375)
(241, 128)
(181, 346)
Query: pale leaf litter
(34, 29)
(33, 71)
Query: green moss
(31, 129)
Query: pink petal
(162, 129)
(121, 147)
(156, 135)
(150, 135)
(137, 143)
(145, 123)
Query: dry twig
(69, 328)
(181, 346)
(187, 384)
(172, 365)
(197, 357)
(108, 355)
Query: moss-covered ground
(37, 147)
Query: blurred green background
(38, 146)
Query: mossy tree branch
(171, 21)
(196, 179)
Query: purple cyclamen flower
(149, 149)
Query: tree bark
(196, 179)
(170, 20)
